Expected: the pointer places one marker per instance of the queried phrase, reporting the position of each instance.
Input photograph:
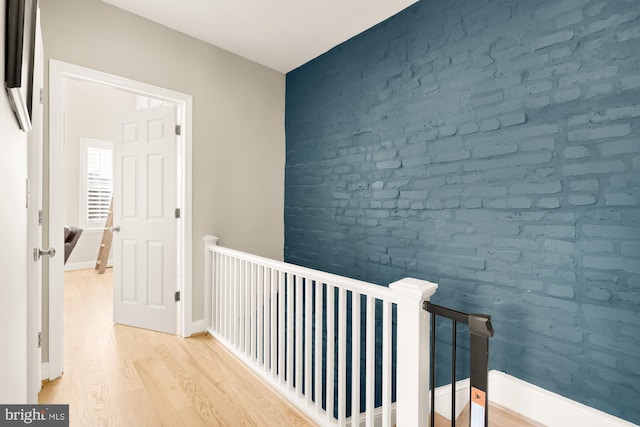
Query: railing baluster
(266, 323)
(227, 298)
(308, 338)
(454, 339)
(355, 359)
(318, 352)
(290, 362)
(244, 293)
(259, 316)
(246, 305)
(386, 364)
(298, 344)
(281, 325)
(236, 301)
(273, 333)
(342, 356)
(331, 309)
(432, 369)
(370, 363)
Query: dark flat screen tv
(18, 61)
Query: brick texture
(494, 148)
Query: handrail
(362, 287)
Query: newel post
(208, 241)
(412, 385)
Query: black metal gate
(480, 330)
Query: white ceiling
(280, 34)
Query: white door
(144, 238)
(34, 226)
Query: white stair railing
(324, 341)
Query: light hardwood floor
(122, 376)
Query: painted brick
(599, 294)
(560, 231)
(559, 246)
(538, 102)
(629, 34)
(610, 22)
(468, 128)
(631, 82)
(593, 168)
(584, 185)
(452, 156)
(513, 119)
(448, 130)
(630, 249)
(385, 155)
(552, 39)
(599, 90)
(611, 231)
(577, 152)
(594, 246)
(567, 95)
(620, 199)
(620, 147)
(537, 144)
(612, 314)
(582, 199)
(599, 133)
(385, 194)
(489, 125)
(562, 291)
(611, 263)
(487, 150)
(536, 188)
(548, 203)
(553, 9)
(389, 164)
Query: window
(96, 181)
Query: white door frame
(34, 231)
(58, 72)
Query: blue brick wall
(492, 147)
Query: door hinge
(40, 219)
(178, 130)
(176, 297)
(39, 339)
(41, 96)
(177, 213)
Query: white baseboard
(443, 398)
(44, 371)
(546, 407)
(531, 401)
(82, 265)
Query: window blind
(99, 182)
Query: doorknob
(114, 229)
(37, 253)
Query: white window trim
(85, 143)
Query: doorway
(62, 75)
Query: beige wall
(238, 117)
(13, 251)
(90, 112)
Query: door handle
(37, 253)
(114, 229)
